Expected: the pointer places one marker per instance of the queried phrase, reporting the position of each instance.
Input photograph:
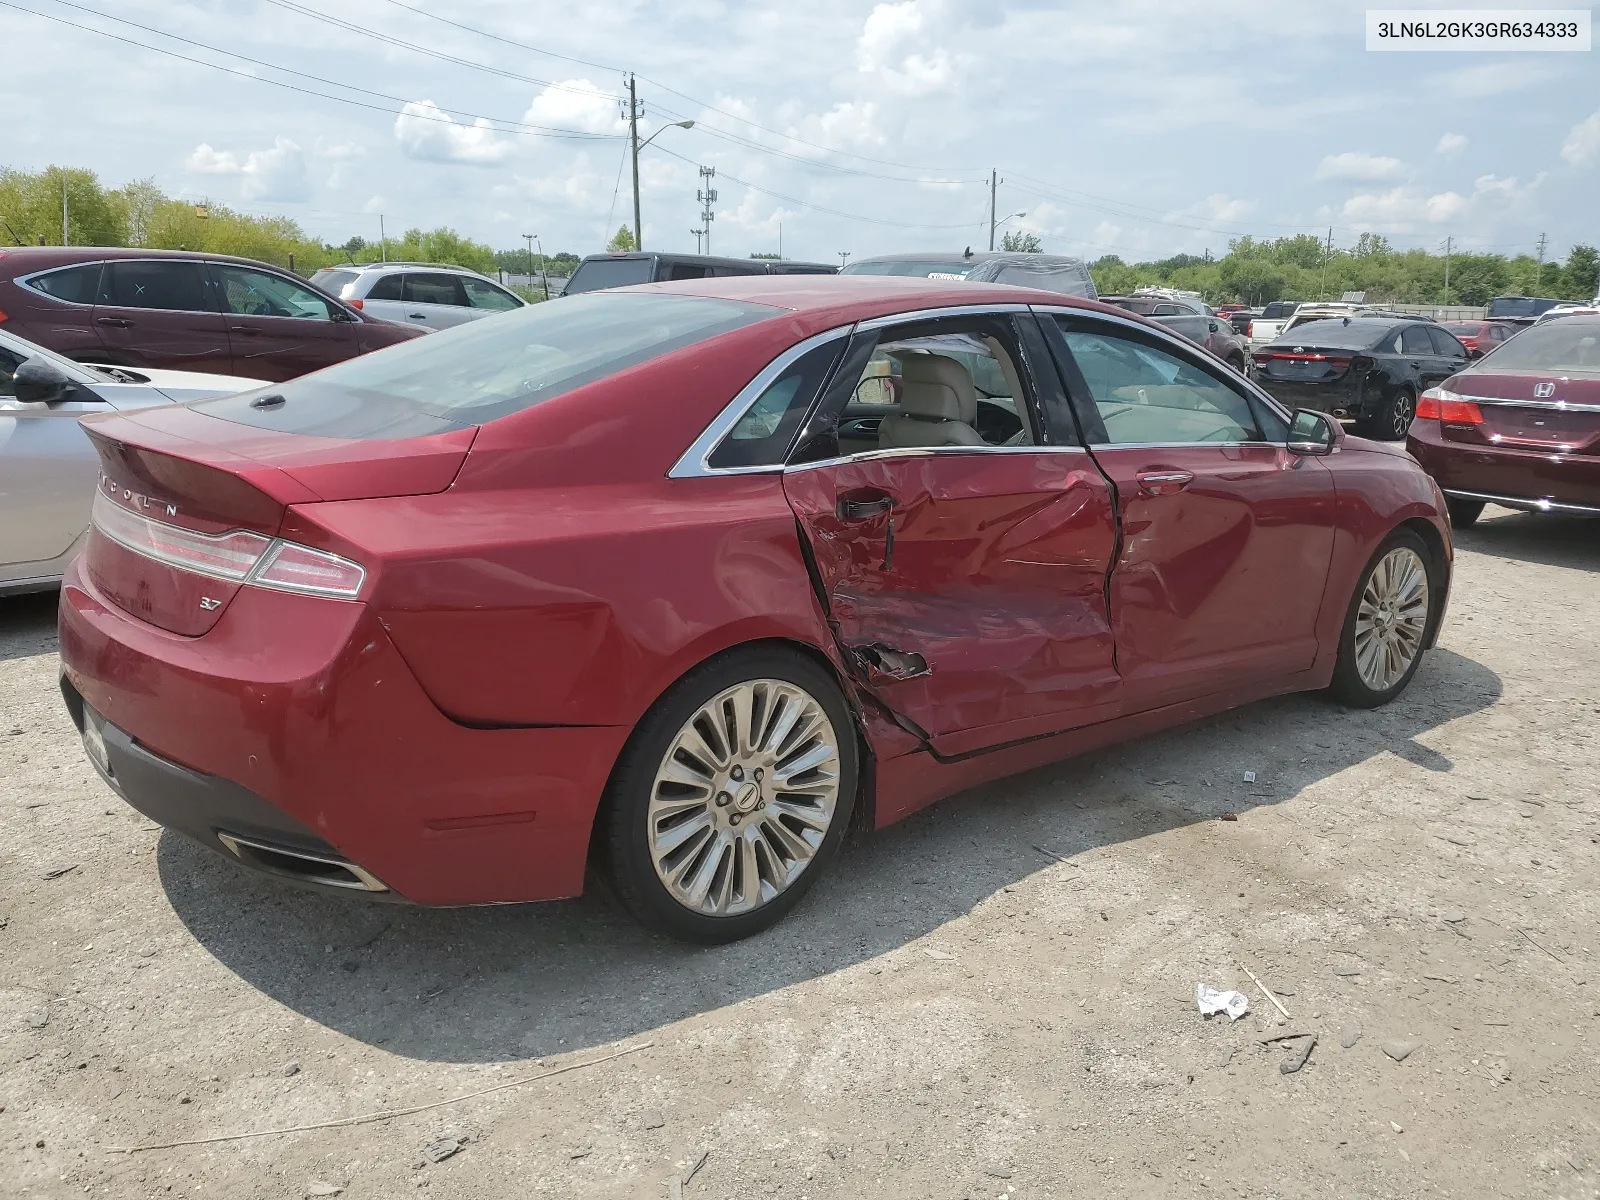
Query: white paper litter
(1249, 776)
(1214, 1000)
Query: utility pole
(707, 197)
(1447, 242)
(780, 241)
(1327, 253)
(1543, 243)
(66, 240)
(633, 136)
(844, 257)
(994, 184)
(383, 241)
(528, 237)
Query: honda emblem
(1542, 391)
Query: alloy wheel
(1392, 618)
(744, 797)
(1405, 408)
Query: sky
(1141, 128)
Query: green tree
(1022, 242)
(1253, 279)
(1581, 276)
(622, 241)
(30, 205)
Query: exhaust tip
(317, 869)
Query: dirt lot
(995, 999)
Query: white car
(48, 469)
(424, 295)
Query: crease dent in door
(984, 618)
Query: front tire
(1463, 512)
(1390, 620)
(1391, 420)
(731, 796)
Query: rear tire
(1463, 512)
(1236, 361)
(1392, 418)
(1390, 622)
(702, 840)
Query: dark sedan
(1520, 427)
(1370, 369)
(173, 310)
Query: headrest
(937, 387)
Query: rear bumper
(294, 723)
(1342, 396)
(1527, 479)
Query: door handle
(417, 316)
(244, 329)
(114, 322)
(863, 510)
(1164, 483)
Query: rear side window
(424, 288)
(600, 273)
(762, 436)
(335, 281)
(174, 284)
(387, 288)
(486, 369)
(725, 270)
(672, 271)
(483, 294)
(1446, 345)
(76, 285)
(1414, 340)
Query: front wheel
(1391, 419)
(731, 796)
(1388, 623)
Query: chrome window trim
(1178, 445)
(929, 452)
(26, 281)
(1548, 405)
(1181, 343)
(934, 314)
(694, 463)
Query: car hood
(140, 382)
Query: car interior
(947, 389)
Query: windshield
(1570, 346)
(600, 273)
(1462, 327)
(485, 369)
(1356, 335)
(331, 280)
(923, 268)
(1518, 306)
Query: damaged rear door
(960, 539)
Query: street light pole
(633, 133)
(844, 257)
(544, 273)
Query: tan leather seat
(938, 405)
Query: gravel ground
(994, 999)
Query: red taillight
(356, 303)
(3, 316)
(238, 556)
(1436, 404)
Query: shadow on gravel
(486, 984)
(1531, 537)
(27, 625)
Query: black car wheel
(1464, 512)
(1392, 417)
(1390, 622)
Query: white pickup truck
(1271, 322)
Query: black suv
(600, 271)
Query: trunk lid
(1530, 412)
(188, 503)
(1304, 364)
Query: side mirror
(36, 381)
(1215, 328)
(1314, 433)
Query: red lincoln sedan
(1520, 427)
(689, 574)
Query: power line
(500, 125)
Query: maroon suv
(1520, 427)
(174, 309)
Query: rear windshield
(1519, 306)
(922, 268)
(335, 281)
(1570, 345)
(1357, 335)
(1462, 327)
(1278, 309)
(476, 372)
(600, 273)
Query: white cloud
(1222, 208)
(575, 104)
(896, 49)
(278, 173)
(851, 123)
(373, 205)
(1407, 207)
(1355, 167)
(425, 131)
(1451, 144)
(1582, 146)
(1489, 79)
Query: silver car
(48, 469)
(425, 295)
